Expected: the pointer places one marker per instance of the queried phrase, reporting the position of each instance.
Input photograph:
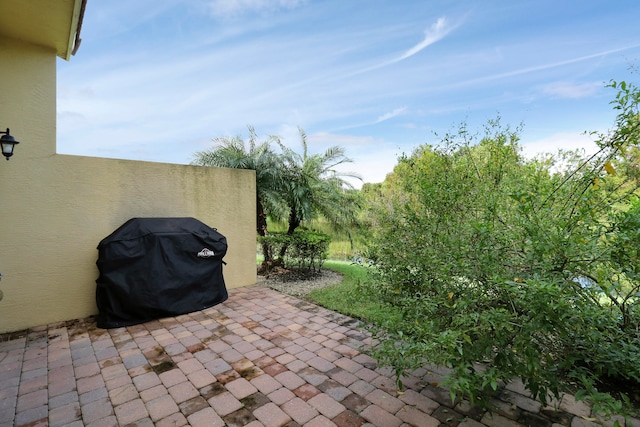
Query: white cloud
(391, 114)
(562, 140)
(572, 90)
(372, 158)
(371, 165)
(436, 32)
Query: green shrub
(306, 250)
(504, 267)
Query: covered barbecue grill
(158, 267)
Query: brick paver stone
(96, 410)
(271, 415)
(65, 415)
(296, 365)
(173, 420)
(283, 359)
(289, 379)
(231, 355)
(87, 370)
(417, 418)
(335, 390)
(299, 410)
(113, 371)
(470, 422)
(130, 412)
(421, 402)
(32, 400)
(201, 378)
(321, 364)
(326, 405)
(361, 388)
(60, 400)
(345, 350)
(153, 393)
(123, 394)
(161, 407)
(312, 376)
(349, 419)
(145, 381)
(385, 401)
(379, 417)
(172, 377)
(217, 366)
(34, 415)
(344, 378)
(205, 418)
(507, 409)
(521, 401)
(119, 381)
(183, 392)
(84, 385)
(109, 421)
(274, 369)
(224, 403)
(320, 421)
(241, 388)
(281, 396)
(265, 383)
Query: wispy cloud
(571, 90)
(391, 114)
(225, 8)
(547, 66)
(436, 32)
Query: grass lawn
(352, 296)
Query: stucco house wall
(55, 209)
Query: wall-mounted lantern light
(7, 142)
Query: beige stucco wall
(55, 209)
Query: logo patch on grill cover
(206, 253)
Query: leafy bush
(306, 250)
(508, 268)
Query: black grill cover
(158, 267)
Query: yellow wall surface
(55, 209)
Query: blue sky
(157, 80)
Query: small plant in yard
(302, 249)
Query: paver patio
(260, 359)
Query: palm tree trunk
(261, 221)
(294, 222)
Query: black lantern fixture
(7, 142)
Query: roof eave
(74, 30)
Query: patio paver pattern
(260, 359)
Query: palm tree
(315, 188)
(301, 187)
(258, 156)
